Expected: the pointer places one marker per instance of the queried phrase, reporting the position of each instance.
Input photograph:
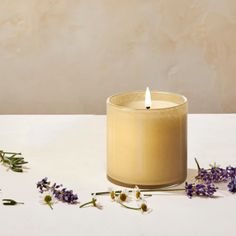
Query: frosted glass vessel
(147, 147)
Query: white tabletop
(72, 150)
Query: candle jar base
(117, 182)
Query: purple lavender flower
(189, 189)
(215, 174)
(206, 190)
(232, 185)
(62, 194)
(43, 185)
(231, 171)
(65, 195)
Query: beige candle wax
(147, 147)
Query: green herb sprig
(10, 202)
(14, 161)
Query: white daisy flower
(47, 198)
(144, 207)
(95, 202)
(112, 193)
(137, 193)
(123, 196)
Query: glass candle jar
(147, 147)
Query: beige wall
(67, 56)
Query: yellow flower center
(47, 198)
(144, 207)
(113, 195)
(123, 197)
(138, 194)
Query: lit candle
(147, 139)
(148, 100)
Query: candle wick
(148, 108)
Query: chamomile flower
(123, 196)
(112, 193)
(144, 207)
(48, 199)
(94, 202)
(137, 193)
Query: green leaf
(17, 169)
(22, 162)
(9, 202)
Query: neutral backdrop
(68, 56)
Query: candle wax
(157, 104)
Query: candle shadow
(191, 173)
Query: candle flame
(148, 100)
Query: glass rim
(123, 107)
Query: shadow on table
(191, 173)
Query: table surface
(72, 150)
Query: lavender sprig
(215, 174)
(206, 190)
(62, 194)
